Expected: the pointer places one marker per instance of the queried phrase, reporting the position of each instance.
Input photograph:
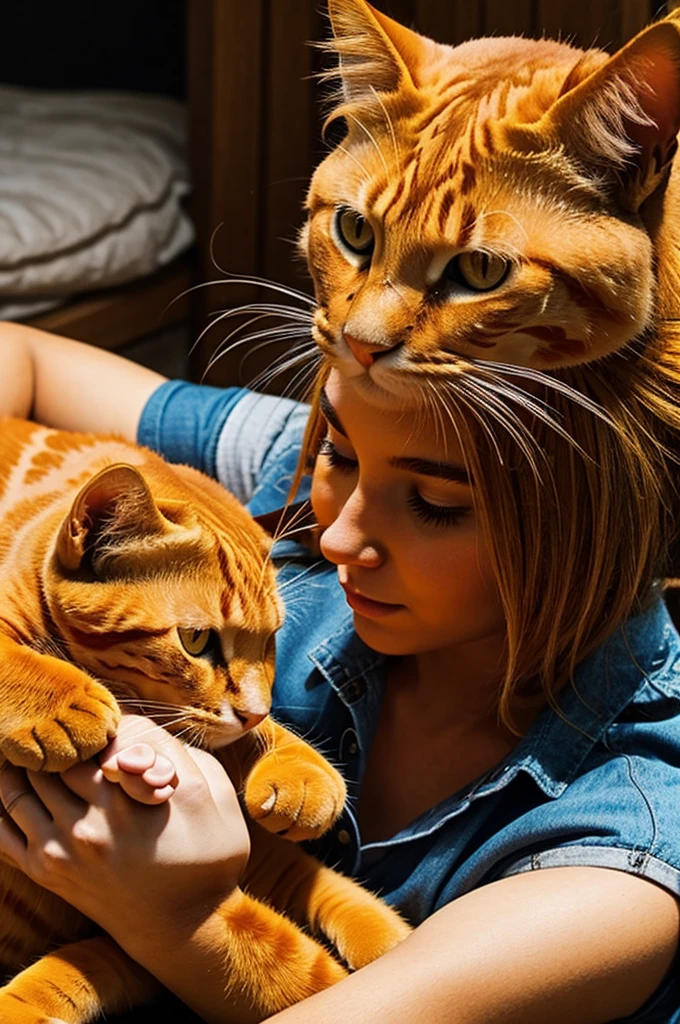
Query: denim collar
(555, 747)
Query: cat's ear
(626, 114)
(375, 52)
(116, 498)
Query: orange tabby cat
(502, 200)
(123, 577)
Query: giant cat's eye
(479, 271)
(354, 231)
(195, 641)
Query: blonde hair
(577, 547)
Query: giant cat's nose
(365, 352)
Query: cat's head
(170, 602)
(500, 200)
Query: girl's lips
(366, 606)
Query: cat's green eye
(355, 232)
(479, 271)
(195, 641)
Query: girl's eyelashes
(437, 515)
(337, 461)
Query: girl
(452, 809)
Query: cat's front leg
(52, 714)
(292, 790)
(77, 984)
(360, 926)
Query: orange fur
(105, 553)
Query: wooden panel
(452, 22)
(504, 19)
(583, 22)
(224, 85)
(117, 316)
(290, 139)
(635, 14)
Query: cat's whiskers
(302, 352)
(548, 381)
(265, 309)
(224, 344)
(295, 579)
(347, 152)
(270, 336)
(511, 216)
(473, 409)
(533, 405)
(510, 422)
(389, 125)
(373, 139)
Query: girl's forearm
(69, 385)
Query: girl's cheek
(324, 498)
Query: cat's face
(484, 204)
(169, 607)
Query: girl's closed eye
(431, 512)
(336, 459)
(434, 513)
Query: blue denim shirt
(597, 783)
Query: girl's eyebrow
(423, 467)
(330, 414)
(427, 467)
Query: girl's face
(392, 496)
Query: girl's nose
(347, 541)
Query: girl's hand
(138, 871)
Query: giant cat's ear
(375, 52)
(113, 507)
(624, 117)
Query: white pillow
(90, 190)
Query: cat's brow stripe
(100, 641)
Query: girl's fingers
(59, 801)
(85, 780)
(135, 759)
(136, 787)
(21, 803)
(12, 843)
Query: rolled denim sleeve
(249, 442)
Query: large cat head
(501, 200)
(169, 602)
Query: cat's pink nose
(249, 719)
(363, 352)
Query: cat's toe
(298, 806)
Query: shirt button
(344, 837)
(355, 690)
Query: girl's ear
(621, 120)
(118, 497)
(375, 52)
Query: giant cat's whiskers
(373, 139)
(389, 125)
(548, 381)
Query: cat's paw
(294, 797)
(366, 931)
(75, 724)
